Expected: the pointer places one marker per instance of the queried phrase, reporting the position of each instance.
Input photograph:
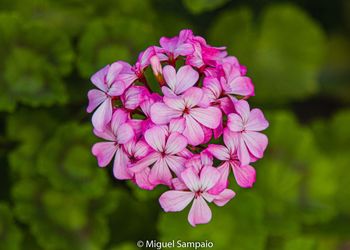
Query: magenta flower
(204, 55)
(173, 47)
(160, 128)
(244, 174)
(193, 117)
(234, 83)
(246, 124)
(179, 82)
(118, 133)
(133, 97)
(110, 85)
(135, 150)
(199, 186)
(165, 147)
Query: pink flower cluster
(169, 133)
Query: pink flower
(160, 135)
(176, 46)
(118, 133)
(163, 156)
(204, 54)
(110, 85)
(245, 124)
(234, 83)
(244, 174)
(133, 97)
(135, 150)
(179, 82)
(199, 186)
(143, 61)
(193, 117)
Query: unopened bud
(157, 69)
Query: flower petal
(222, 183)
(141, 179)
(192, 96)
(102, 115)
(200, 212)
(256, 121)
(119, 117)
(141, 149)
(193, 131)
(243, 109)
(224, 197)
(178, 184)
(169, 74)
(160, 173)
(256, 143)
(175, 163)
(191, 179)
(117, 88)
(209, 176)
(104, 151)
(124, 133)
(155, 137)
(242, 150)
(120, 166)
(177, 125)
(98, 79)
(113, 72)
(176, 103)
(162, 114)
(174, 201)
(235, 123)
(96, 97)
(231, 140)
(133, 97)
(183, 50)
(244, 175)
(240, 85)
(106, 134)
(209, 117)
(186, 77)
(175, 143)
(219, 152)
(145, 162)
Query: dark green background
(54, 196)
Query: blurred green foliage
(54, 196)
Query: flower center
(186, 110)
(198, 193)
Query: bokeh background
(54, 196)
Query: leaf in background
(61, 213)
(10, 234)
(235, 30)
(199, 6)
(301, 243)
(334, 81)
(283, 60)
(29, 138)
(106, 40)
(33, 65)
(333, 138)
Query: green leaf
(10, 235)
(33, 65)
(282, 58)
(199, 6)
(106, 40)
(301, 243)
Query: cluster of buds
(179, 117)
